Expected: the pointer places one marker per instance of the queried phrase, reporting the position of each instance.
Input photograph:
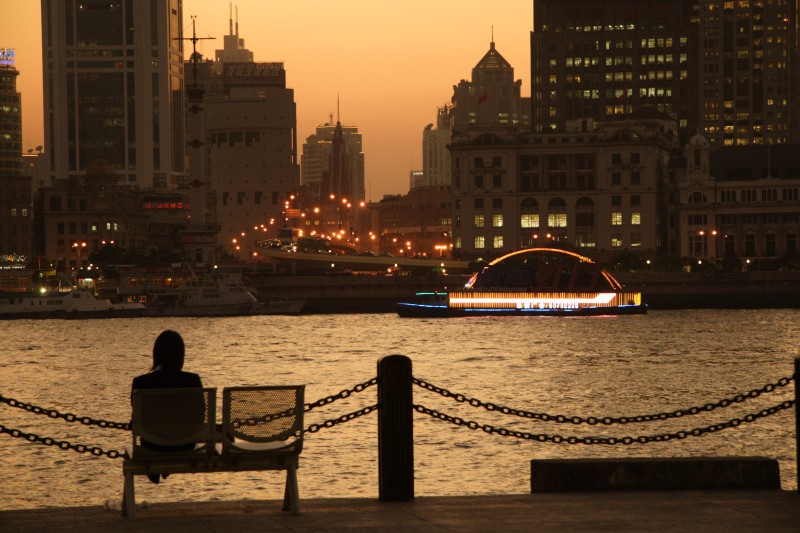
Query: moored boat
(74, 303)
(536, 281)
(204, 296)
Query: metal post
(395, 430)
(797, 419)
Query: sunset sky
(392, 63)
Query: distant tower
(113, 89)
(10, 117)
(491, 98)
(333, 162)
(435, 155)
(233, 47)
(336, 181)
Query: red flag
(482, 98)
(624, 96)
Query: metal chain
(313, 428)
(607, 420)
(64, 445)
(69, 417)
(611, 441)
(343, 394)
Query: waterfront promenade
(775, 511)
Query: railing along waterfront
(395, 407)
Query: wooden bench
(262, 429)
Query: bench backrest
(266, 414)
(174, 417)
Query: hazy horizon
(390, 64)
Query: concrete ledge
(672, 473)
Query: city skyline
(414, 62)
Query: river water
(600, 366)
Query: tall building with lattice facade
(10, 116)
(602, 59)
(114, 89)
(16, 217)
(728, 69)
(748, 72)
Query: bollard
(797, 418)
(395, 430)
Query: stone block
(651, 473)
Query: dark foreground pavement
(704, 511)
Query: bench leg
(287, 494)
(294, 493)
(128, 498)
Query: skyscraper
(113, 88)
(730, 70)
(748, 72)
(16, 217)
(10, 116)
(602, 59)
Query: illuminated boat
(535, 281)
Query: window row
(556, 220)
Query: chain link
(607, 420)
(64, 445)
(610, 441)
(69, 417)
(313, 428)
(341, 395)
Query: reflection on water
(572, 366)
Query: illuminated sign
(7, 56)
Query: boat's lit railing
(538, 300)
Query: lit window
(636, 219)
(616, 219)
(528, 220)
(557, 220)
(479, 243)
(479, 222)
(616, 242)
(498, 241)
(497, 221)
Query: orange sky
(392, 63)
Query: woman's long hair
(169, 351)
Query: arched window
(697, 197)
(557, 213)
(529, 213)
(584, 212)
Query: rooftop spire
(230, 18)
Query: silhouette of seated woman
(167, 373)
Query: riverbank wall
(367, 293)
(695, 290)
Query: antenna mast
(194, 38)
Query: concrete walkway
(701, 511)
